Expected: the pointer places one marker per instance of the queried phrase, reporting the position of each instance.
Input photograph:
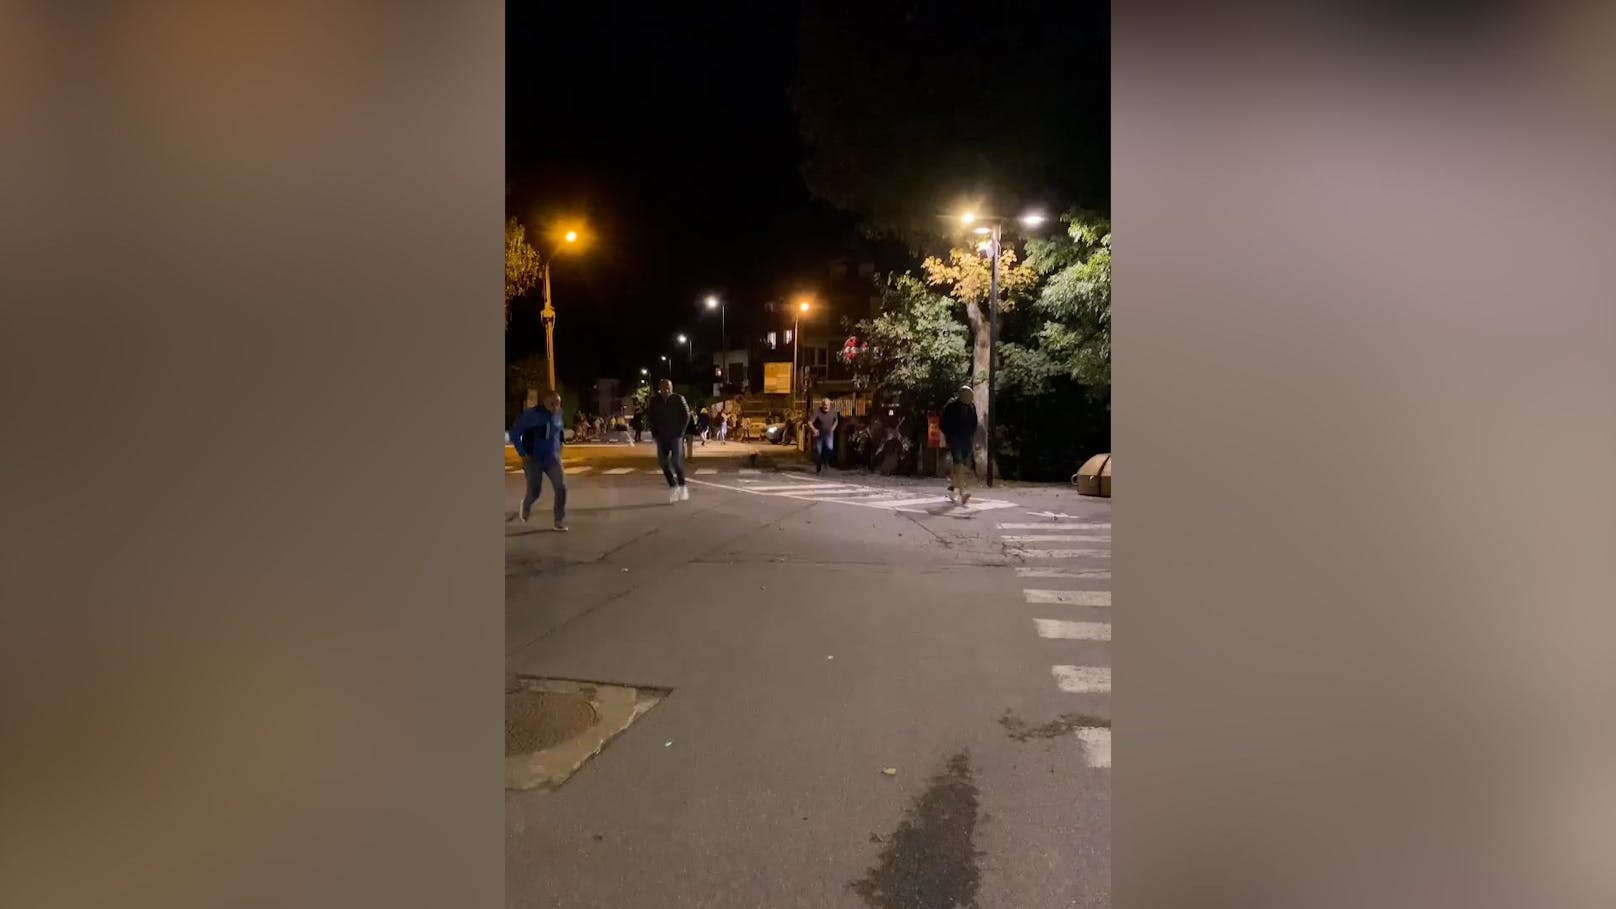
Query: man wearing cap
(958, 424)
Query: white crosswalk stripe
(618, 471)
(1083, 679)
(1032, 541)
(581, 468)
(1055, 538)
(1098, 574)
(1097, 598)
(841, 493)
(1057, 527)
(1063, 630)
(750, 470)
(706, 471)
(1096, 742)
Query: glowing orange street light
(548, 313)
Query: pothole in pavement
(554, 726)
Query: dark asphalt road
(809, 644)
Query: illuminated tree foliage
(522, 266)
(1054, 352)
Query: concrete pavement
(810, 639)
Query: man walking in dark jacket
(667, 415)
(958, 424)
(537, 436)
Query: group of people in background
(538, 435)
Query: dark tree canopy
(911, 107)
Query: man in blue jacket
(537, 436)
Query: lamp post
(549, 313)
(723, 336)
(670, 366)
(992, 231)
(690, 349)
(796, 343)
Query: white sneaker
(673, 494)
(684, 493)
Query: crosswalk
(576, 470)
(1076, 613)
(814, 489)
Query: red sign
(934, 431)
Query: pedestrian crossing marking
(750, 470)
(1062, 553)
(800, 487)
(1054, 538)
(705, 471)
(831, 492)
(1096, 598)
(1096, 742)
(1063, 630)
(1098, 574)
(1083, 679)
(618, 471)
(1053, 527)
(583, 468)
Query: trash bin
(1094, 477)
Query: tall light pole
(690, 349)
(549, 313)
(670, 366)
(992, 231)
(796, 342)
(723, 336)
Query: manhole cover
(536, 720)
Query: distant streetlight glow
(983, 231)
(1032, 219)
(572, 236)
(644, 371)
(968, 218)
(712, 302)
(681, 339)
(803, 306)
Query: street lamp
(548, 313)
(796, 341)
(669, 362)
(723, 334)
(991, 230)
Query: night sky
(671, 132)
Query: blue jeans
(536, 471)
(824, 447)
(670, 457)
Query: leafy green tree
(967, 277)
(1074, 303)
(917, 347)
(930, 335)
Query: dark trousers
(670, 457)
(536, 471)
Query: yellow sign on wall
(777, 378)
